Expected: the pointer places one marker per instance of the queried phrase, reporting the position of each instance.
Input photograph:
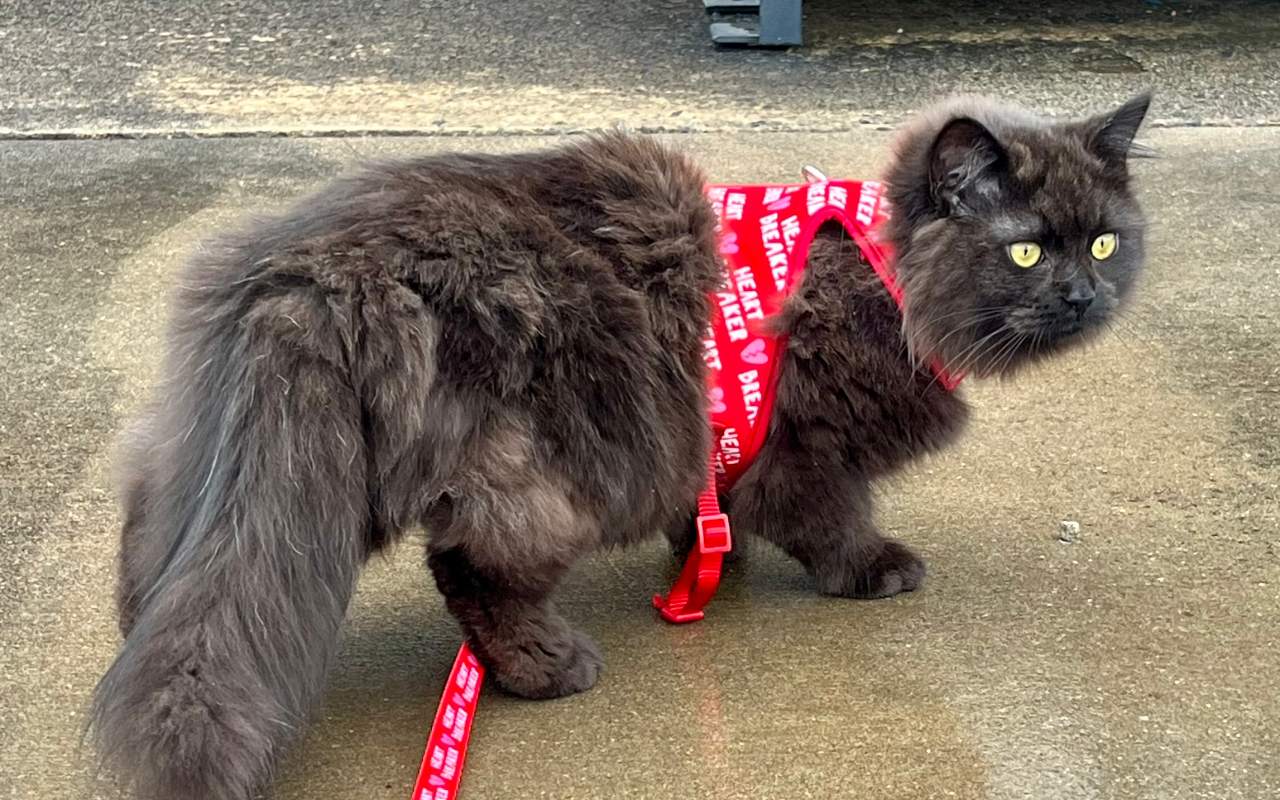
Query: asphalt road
(1138, 662)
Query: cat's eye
(1104, 246)
(1025, 254)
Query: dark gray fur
(507, 350)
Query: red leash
(447, 745)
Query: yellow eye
(1104, 246)
(1025, 254)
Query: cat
(507, 350)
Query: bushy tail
(246, 522)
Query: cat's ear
(1110, 135)
(965, 157)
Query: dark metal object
(755, 23)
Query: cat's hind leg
(499, 544)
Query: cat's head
(1016, 236)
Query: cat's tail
(246, 522)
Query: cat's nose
(1080, 297)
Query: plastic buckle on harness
(700, 577)
(713, 534)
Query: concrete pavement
(1138, 662)
(453, 66)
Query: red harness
(764, 237)
(765, 233)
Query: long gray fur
(507, 351)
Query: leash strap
(441, 770)
(700, 577)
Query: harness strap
(700, 577)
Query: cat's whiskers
(1005, 356)
(1126, 319)
(980, 359)
(974, 346)
(1116, 327)
(969, 323)
(1034, 347)
(978, 315)
(984, 347)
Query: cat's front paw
(554, 667)
(894, 569)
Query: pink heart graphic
(779, 205)
(729, 244)
(754, 353)
(717, 400)
(435, 780)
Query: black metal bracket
(755, 23)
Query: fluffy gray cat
(507, 350)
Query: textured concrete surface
(1138, 662)
(444, 66)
